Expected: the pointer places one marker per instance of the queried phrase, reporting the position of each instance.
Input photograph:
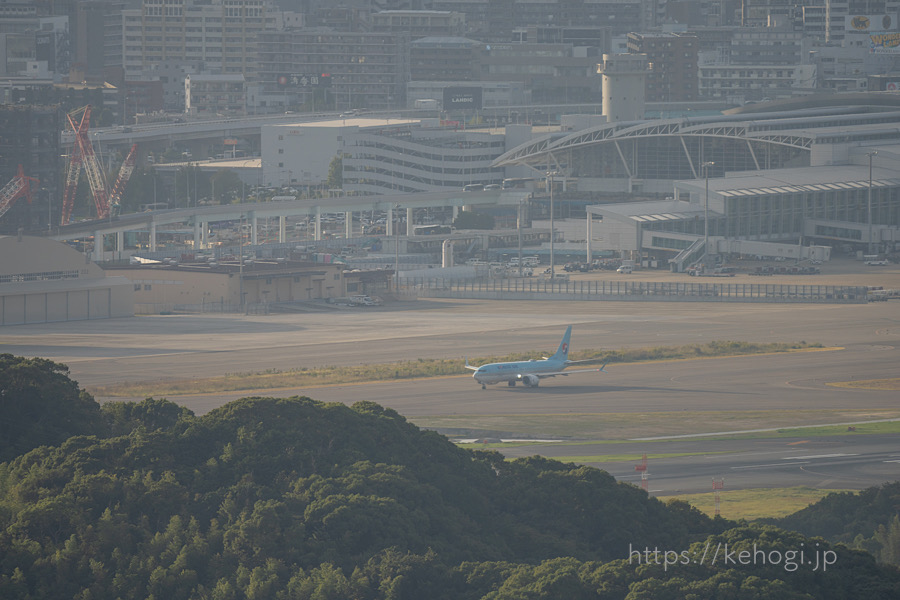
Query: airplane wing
(554, 374)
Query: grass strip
(884, 385)
(606, 428)
(890, 427)
(422, 368)
(755, 503)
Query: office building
(672, 76)
(220, 37)
(366, 70)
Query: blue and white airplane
(529, 372)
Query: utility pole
(706, 167)
(396, 227)
(241, 264)
(519, 232)
(869, 219)
(550, 175)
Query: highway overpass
(312, 208)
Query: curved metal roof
(797, 129)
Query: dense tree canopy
(869, 520)
(293, 498)
(40, 405)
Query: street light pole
(396, 227)
(519, 232)
(241, 264)
(552, 263)
(49, 209)
(706, 167)
(869, 218)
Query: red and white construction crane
(115, 197)
(82, 156)
(18, 186)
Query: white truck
(363, 300)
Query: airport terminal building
(803, 173)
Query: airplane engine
(531, 380)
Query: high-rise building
(553, 73)
(96, 33)
(419, 23)
(365, 70)
(219, 37)
(673, 65)
(445, 59)
(31, 139)
(495, 20)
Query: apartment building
(553, 73)
(445, 59)
(220, 36)
(367, 69)
(214, 94)
(419, 23)
(495, 20)
(756, 82)
(767, 46)
(673, 65)
(31, 138)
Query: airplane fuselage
(515, 371)
(528, 372)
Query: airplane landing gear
(511, 383)
(484, 387)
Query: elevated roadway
(190, 133)
(200, 217)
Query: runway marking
(696, 435)
(804, 462)
(743, 454)
(817, 456)
(896, 461)
(800, 442)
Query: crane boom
(115, 197)
(83, 156)
(18, 186)
(73, 172)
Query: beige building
(43, 281)
(219, 34)
(218, 286)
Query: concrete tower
(623, 86)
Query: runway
(678, 397)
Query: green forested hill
(291, 498)
(869, 520)
(40, 405)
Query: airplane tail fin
(603, 366)
(562, 353)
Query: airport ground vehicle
(363, 300)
